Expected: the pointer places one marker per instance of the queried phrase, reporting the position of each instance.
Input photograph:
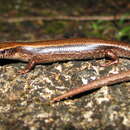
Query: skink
(61, 50)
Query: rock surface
(25, 99)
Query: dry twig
(68, 18)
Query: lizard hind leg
(114, 58)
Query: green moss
(55, 28)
